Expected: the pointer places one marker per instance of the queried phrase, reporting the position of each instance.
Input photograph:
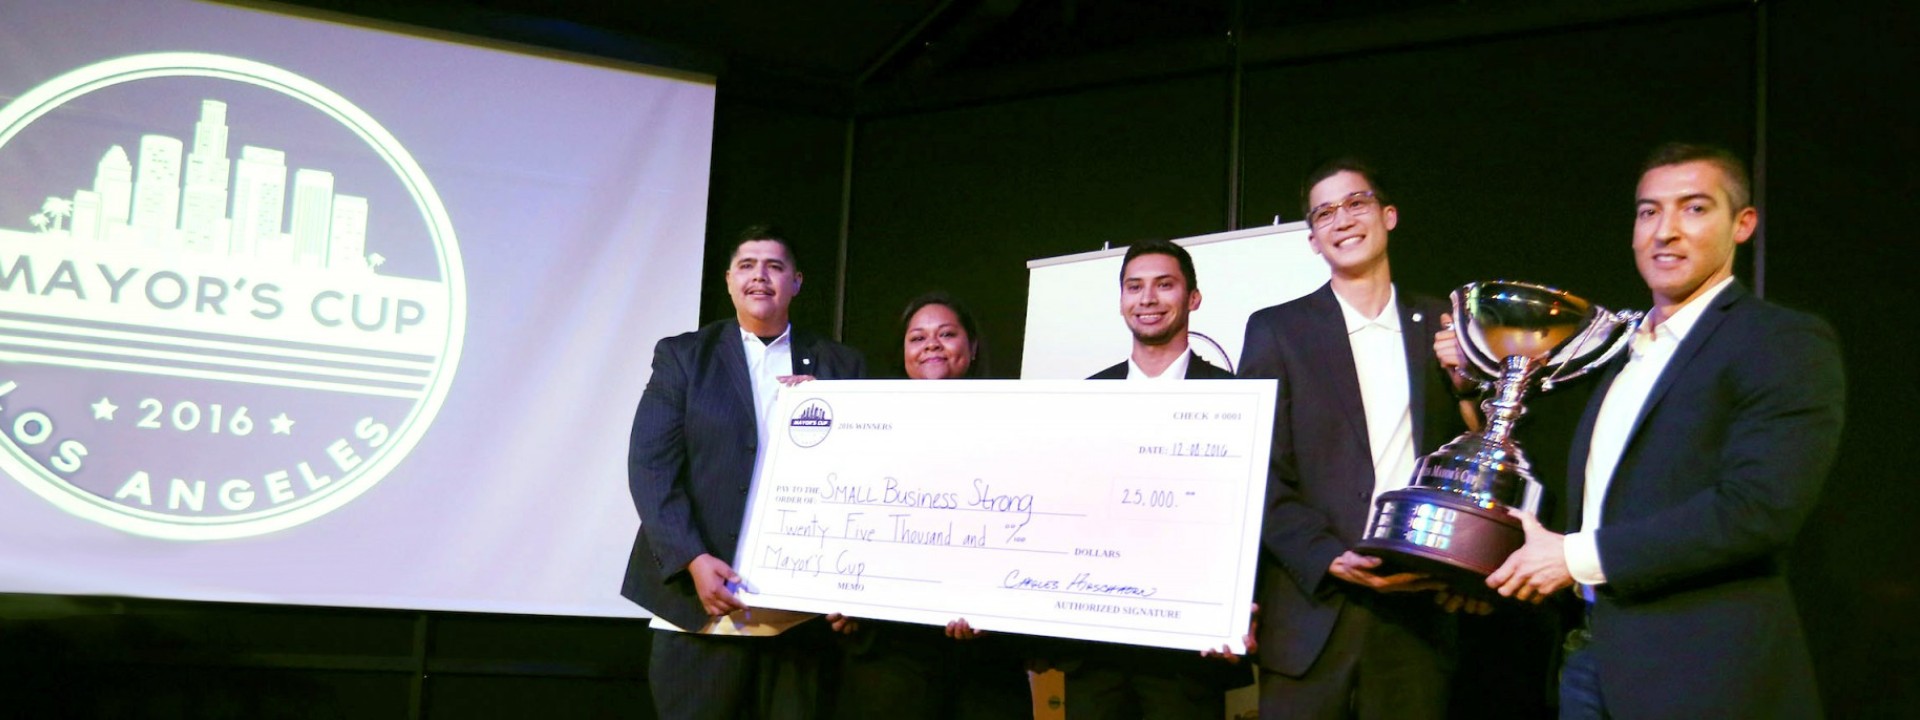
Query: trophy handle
(1481, 368)
(1609, 323)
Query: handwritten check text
(1101, 510)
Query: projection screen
(296, 311)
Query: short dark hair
(936, 297)
(1162, 247)
(1335, 166)
(1739, 184)
(755, 233)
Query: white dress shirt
(1651, 350)
(1175, 371)
(1380, 361)
(766, 363)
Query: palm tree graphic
(57, 209)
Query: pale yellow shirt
(1380, 361)
(1652, 349)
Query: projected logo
(810, 423)
(231, 309)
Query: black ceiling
(859, 55)
(844, 40)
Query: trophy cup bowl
(1451, 521)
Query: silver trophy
(1452, 521)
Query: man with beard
(1158, 290)
(1157, 293)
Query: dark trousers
(1580, 697)
(912, 672)
(1518, 649)
(709, 677)
(1372, 668)
(1118, 682)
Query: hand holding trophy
(1451, 521)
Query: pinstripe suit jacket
(690, 459)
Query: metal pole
(1236, 79)
(1760, 147)
(846, 230)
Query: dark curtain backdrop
(1511, 156)
(960, 200)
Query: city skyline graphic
(173, 197)
(208, 258)
(189, 304)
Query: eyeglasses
(1357, 205)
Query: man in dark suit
(1158, 290)
(1698, 458)
(698, 438)
(1360, 394)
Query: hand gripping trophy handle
(1451, 521)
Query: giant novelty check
(1117, 511)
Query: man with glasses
(1362, 386)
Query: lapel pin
(1416, 317)
(806, 361)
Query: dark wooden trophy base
(1443, 534)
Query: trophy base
(1443, 534)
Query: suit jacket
(1320, 488)
(1161, 661)
(1723, 465)
(690, 459)
(1197, 369)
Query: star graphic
(282, 425)
(103, 410)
